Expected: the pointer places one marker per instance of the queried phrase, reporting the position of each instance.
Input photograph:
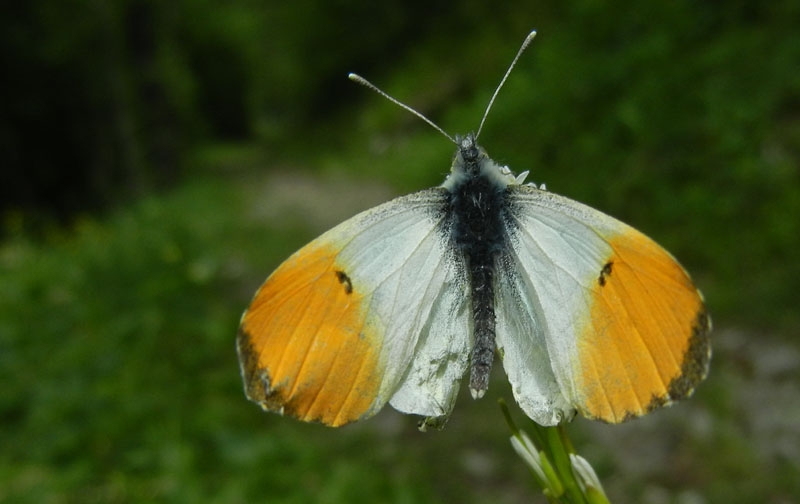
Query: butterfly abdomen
(476, 207)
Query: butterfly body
(476, 206)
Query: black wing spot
(345, 280)
(605, 273)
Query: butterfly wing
(370, 311)
(521, 344)
(597, 308)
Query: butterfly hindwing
(523, 348)
(441, 355)
(333, 333)
(624, 328)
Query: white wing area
(521, 343)
(415, 295)
(545, 281)
(431, 383)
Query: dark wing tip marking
(256, 381)
(344, 280)
(258, 386)
(694, 367)
(657, 401)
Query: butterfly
(396, 304)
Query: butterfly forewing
(624, 327)
(331, 334)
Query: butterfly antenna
(364, 82)
(525, 44)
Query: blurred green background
(161, 158)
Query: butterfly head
(469, 153)
(471, 161)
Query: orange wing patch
(645, 342)
(305, 346)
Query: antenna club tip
(352, 76)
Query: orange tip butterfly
(587, 314)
